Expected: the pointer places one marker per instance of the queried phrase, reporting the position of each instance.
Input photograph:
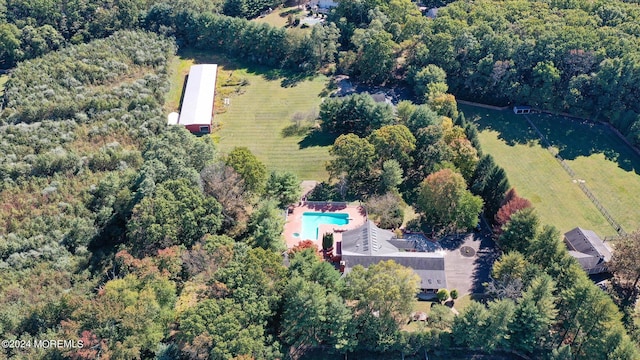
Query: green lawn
(279, 16)
(3, 80)
(260, 111)
(610, 169)
(534, 172)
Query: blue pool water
(311, 220)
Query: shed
(590, 251)
(197, 105)
(522, 110)
(431, 13)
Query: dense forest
(112, 234)
(563, 56)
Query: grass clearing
(260, 111)
(462, 302)
(3, 80)
(534, 172)
(609, 167)
(279, 16)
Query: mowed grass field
(259, 112)
(279, 16)
(3, 80)
(535, 173)
(609, 167)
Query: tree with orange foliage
(511, 203)
(303, 245)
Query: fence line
(547, 145)
(325, 203)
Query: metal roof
(590, 251)
(368, 245)
(197, 104)
(428, 266)
(368, 239)
(587, 242)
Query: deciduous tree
(176, 214)
(446, 203)
(393, 142)
(386, 288)
(511, 204)
(469, 327)
(354, 159)
(376, 54)
(358, 114)
(386, 210)
(312, 316)
(250, 169)
(625, 262)
(520, 231)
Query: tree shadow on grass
(572, 138)
(512, 129)
(317, 137)
(294, 11)
(288, 77)
(295, 130)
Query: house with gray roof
(368, 245)
(590, 251)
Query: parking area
(468, 262)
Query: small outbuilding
(590, 251)
(196, 112)
(522, 110)
(431, 13)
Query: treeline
(62, 173)
(30, 29)
(542, 301)
(255, 42)
(576, 57)
(579, 58)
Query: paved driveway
(468, 262)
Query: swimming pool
(311, 221)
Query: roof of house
(587, 247)
(587, 242)
(368, 245)
(430, 269)
(368, 239)
(197, 104)
(587, 261)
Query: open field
(260, 111)
(3, 80)
(535, 173)
(609, 167)
(279, 16)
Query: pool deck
(357, 217)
